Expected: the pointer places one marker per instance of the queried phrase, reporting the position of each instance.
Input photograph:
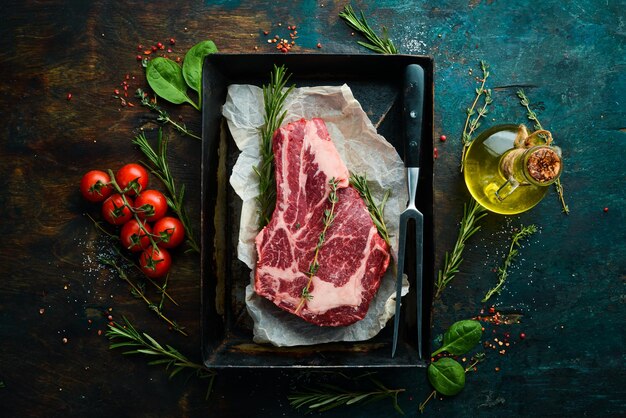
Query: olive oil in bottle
(507, 171)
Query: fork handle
(413, 109)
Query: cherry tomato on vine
(169, 232)
(150, 205)
(133, 236)
(133, 177)
(155, 262)
(114, 211)
(95, 187)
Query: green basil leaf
(165, 78)
(447, 376)
(192, 65)
(461, 337)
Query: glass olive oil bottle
(507, 170)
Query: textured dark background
(568, 281)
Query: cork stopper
(544, 165)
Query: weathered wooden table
(568, 282)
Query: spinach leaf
(461, 337)
(447, 376)
(192, 65)
(165, 77)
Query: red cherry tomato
(155, 262)
(134, 237)
(151, 205)
(115, 212)
(169, 232)
(133, 178)
(95, 187)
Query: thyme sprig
(473, 123)
(162, 116)
(472, 213)
(381, 45)
(327, 219)
(126, 336)
(532, 116)
(158, 165)
(523, 232)
(376, 210)
(138, 291)
(327, 397)
(274, 96)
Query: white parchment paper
(363, 151)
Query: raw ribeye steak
(353, 256)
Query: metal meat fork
(412, 112)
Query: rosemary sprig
(125, 335)
(163, 117)
(524, 232)
(327, 397)
(274, 95)
(376, 210)
(160, 168)
(138, 290)
(472, 124)
(381, 45)
(532, 116)
(328, 218)
(472, 213)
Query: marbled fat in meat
(354, 256)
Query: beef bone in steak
(353, 257)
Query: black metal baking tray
(376, 81)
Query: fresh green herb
(532, 116)
(327, 397)
(305, 294)
(192, 65)
(447, 376)
(158, 164)
(165, 77)
(381, 45)
(126, 336)
(461, 337)
(472, 124)
(471, 215)
(444, 376)
(274, 96)
(376, 210)
(163, 117)
(524, 232)
(329, 217)
(138, 291)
